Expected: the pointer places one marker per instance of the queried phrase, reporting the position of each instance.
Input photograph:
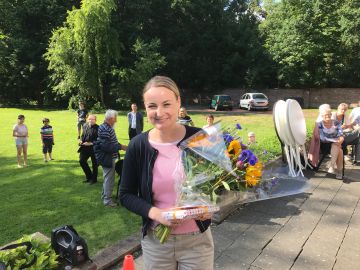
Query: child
(184, 118)
(209, 121)
(251, 138)
(47, 138)
(209, 128)
(82, 114)
(20, 132)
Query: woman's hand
(156, 214)
(205, 216)
(340, 141)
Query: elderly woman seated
(328, 135)
(351, 134)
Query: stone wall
(313, 98)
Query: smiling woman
(148, 184)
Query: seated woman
(331, 136)
(351, 136)
(340, 116)
(314, 150)
(322, 108)
(355, 134)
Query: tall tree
(207, 44)
(85, 55)
(350, 39)
(81, 52)
(26, 26)
(305, 40)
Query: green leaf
(226, 185)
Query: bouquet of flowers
(217, 169)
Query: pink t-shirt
(20, 130)
(166, 172)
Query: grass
(43, 196)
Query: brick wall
(313, 98)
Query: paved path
(318, 230)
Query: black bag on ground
(69, 245)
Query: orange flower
(253, 174)
(199, 140)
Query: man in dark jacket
(136, 121)
(88, 137)
(106, 151)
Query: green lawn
(43, 196)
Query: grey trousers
(108, 185)
(352, 138)
(179, 252)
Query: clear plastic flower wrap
(216, 169)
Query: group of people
(100, 144)
(148, 180)
(185, 119)
(21, 135)
(334, 132)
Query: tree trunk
(102, 96)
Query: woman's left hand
(340, 140)
(205, 216)
(176, 222)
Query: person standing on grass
(47, 139)
(86, 142)
(136, 121)
(184, 118)
(210, 128)
(106, 150)
(20, 132)
(82, 114)
(148, 184)
(251, 138)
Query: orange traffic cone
(129, 263)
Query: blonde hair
(343, 105)
(162, 81)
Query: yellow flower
(253, 174)
(234, 149)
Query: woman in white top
(210, 128)
(351, 134)
(20, 132)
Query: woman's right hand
(156, 215)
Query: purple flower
(248, 156)
(238, 126)
(264, 152)
(252, 160)
(243, 146)
(244, 155)
(228, 138)
(274, 181)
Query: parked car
(221, 102)
(252, 101)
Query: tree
(25, 27)
(81, 53)
(85, 55)
(306, 41)
(350, 39)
